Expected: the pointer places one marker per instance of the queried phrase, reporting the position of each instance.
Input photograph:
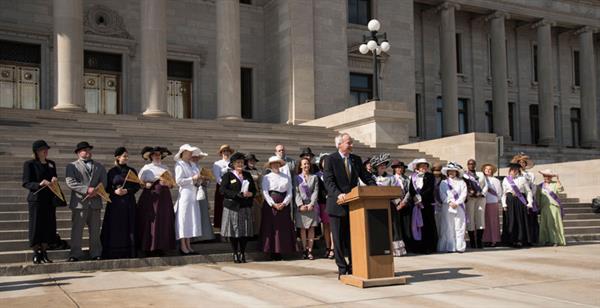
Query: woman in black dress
(38, 173)
(118, 226)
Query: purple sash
(473, 181)
(553, 196)
(417, 216)
(304, 187)
(516, 190)
(491, 189)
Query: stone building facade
(291, 61)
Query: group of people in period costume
(286, 204)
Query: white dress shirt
(280, 182)
(152, 171)
(523, 184)
(220, 167)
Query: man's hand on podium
(341, 198)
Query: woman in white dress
(453, 193)
(187, 211)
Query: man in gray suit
(83, 176)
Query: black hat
(83, 145)
(236, 156)
(251, 156)
(380, 159)
(146, 151)
(398, 164)
(119, 151)
(367, 161)
(38, 145)
(514, 166)
(307, 151)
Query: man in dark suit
(341, 174)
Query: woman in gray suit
(306, 186)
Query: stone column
(545, 82)
(154, 57)
(229, 103)
(589, 127)
(499, 75)
(68, 32)
(448, 68)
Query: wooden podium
(371, 237)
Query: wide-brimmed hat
(183, 148)
(522, 157)
(198, 153)
(367, 161)
(307, 151)
(225, 147)
(236, 156)
(274, 159)
(83, 145)
(381, 159)
(548, 172)
(147, 151)
(251, 156)
(452, 166)
(413, 164)
(38, 145)
(436, 168)
(494, 168)
(397, 164)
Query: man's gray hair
(339, 138)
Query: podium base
(375, 282)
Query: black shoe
(72, 259)
(305, 254)
(472, 243)
(236, 258)
(243, 257)
(37, 257)
(45, 257)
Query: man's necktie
(347, 167)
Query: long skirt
(404, 221)
(323, 215)
(451, 229)
(277, 231)
(207, 229)
(399, 248)
(475, 207)
(256, 214)
(218, 208)
(42, 222)
(118, 228)
(429, 236)
(237, 223)
(551, 226)
(155, 219)
(515, 222)
(491, 233)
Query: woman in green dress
(551, 211)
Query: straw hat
(548, 172)
(522, 157)
(147, 151)
(452, 166)
(413, 164)
(226, 147)
(183, 148)
(436, 169)
(494, 168)
(274, 159)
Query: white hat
(182, 148)
(198, 153)
(548, 172)
(452, 166)
(413, 164)
(274, 159)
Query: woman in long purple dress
(155, 216)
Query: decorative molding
(585, 29)
(358, 61)
(107, 43)
(447, 5)
(101, 20)
(497, 14)
(543, 22)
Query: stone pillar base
(68, 108)
(229, 118)
(376, 123)
(155, 113)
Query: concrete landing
(537, 277)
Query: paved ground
(548, 277)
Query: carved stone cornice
(543, 22)
(497, 14)
(447, 5)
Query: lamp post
(371, 44)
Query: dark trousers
(340, 229)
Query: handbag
(200, 195)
